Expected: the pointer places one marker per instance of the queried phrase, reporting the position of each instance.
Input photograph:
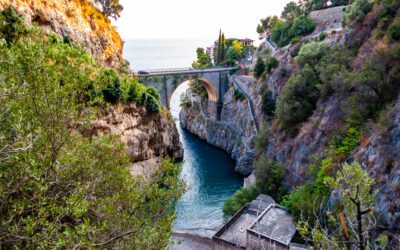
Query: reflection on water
(209, 172)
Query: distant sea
(144, 54)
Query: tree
(259, 67)
(11, 25)
(358, 9)
(110, 8)
(60, 189)
(350, 223)
(234, 52)
(203, 60)
(291, 11)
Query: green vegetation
(269, 175)
(350, 224)
(239, 96)
(394, 32)
(357, 10)
(259, 68)
(59, 189)
(272, 63)
(284, 31)
(198, 88)
(301, 201)
(298, 98)
(239, 199)
(203, 60)
(268, 103)
(110, 8)
(229, 51)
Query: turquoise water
(208, 171)
(210, 174)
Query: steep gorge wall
(234, 132)
(83, 23)
(379, 149)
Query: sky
(187, 19)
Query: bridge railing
(177, 70)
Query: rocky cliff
(234, 132)
(379, 149)
(147, 136)
(78, 20)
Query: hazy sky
(194, 19)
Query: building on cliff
(262, 224)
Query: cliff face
(379, 149)
(77, 19)
(234, 132)
(146, 135)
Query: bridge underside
(216, 83)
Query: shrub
(269, 175)
(239, 199)
(262, 140)
(284, 32)
(311, 53)
(295, 40)
(11, 25)
(153, 92)
(113, 92)
(268, 103)
(321, 37)
(283, 72)
(198, 88)
(239, 96)
(259, 67)
(271, 64)
(389, 8)
(298, 99)
(60, 189)
(394, 32)
(357, 10)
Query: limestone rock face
(379, 154)
(83, 23)
(234, 132)
(146, 135)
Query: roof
(234, 231)
(261, 203)
(275, 223)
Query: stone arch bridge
(166, 81)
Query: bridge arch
(211, 91)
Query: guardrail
(180, 70)
(250, 102)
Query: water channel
(209, 173)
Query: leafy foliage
(239, 199)
(268, 103)
(350, 224)
(59, 189)
(239, 96)
(203, 60)
(394, 32)
(198, 88)
(283, 32)
(11, 25)
(358, 9)
(110, 8)
(271, 64)
(269, 175)
(259, 68)
(298, 98)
